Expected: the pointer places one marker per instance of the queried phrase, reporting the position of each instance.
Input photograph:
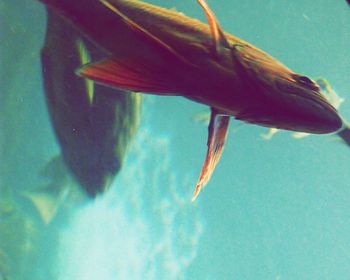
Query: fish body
(240, 80)
(93, 124)
(161, 51)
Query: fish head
(296, 104)
(281, 98)
(304, 107)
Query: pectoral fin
(216, 140)
(217, 33)
(132, 75)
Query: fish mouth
(293, 108)
(313, 113)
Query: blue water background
(272, 210)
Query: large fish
(164, 52)
(93, 124)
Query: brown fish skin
(240, 81)
(160, 51)
(93, 137)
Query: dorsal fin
(219, 39)
(146, 35)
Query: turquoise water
(277, 209)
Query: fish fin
(46, 203)
(217, 133)
(202, 117)
(154, 41)
(271, 132)
(333, 98)
(216, 31)
(84, 59)
(300, 135)
(55, 168)
(131, 75)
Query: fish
(93, 124)
(332, 97)
(163, 52)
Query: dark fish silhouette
(93, 124)
(161, 51)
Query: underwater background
(277, 209)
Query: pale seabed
(143, 228)
(273, 210)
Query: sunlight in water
(143, 228)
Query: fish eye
(305, 81)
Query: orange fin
(216, 140)
(131, 75)
(217, 33)
(154, 41)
